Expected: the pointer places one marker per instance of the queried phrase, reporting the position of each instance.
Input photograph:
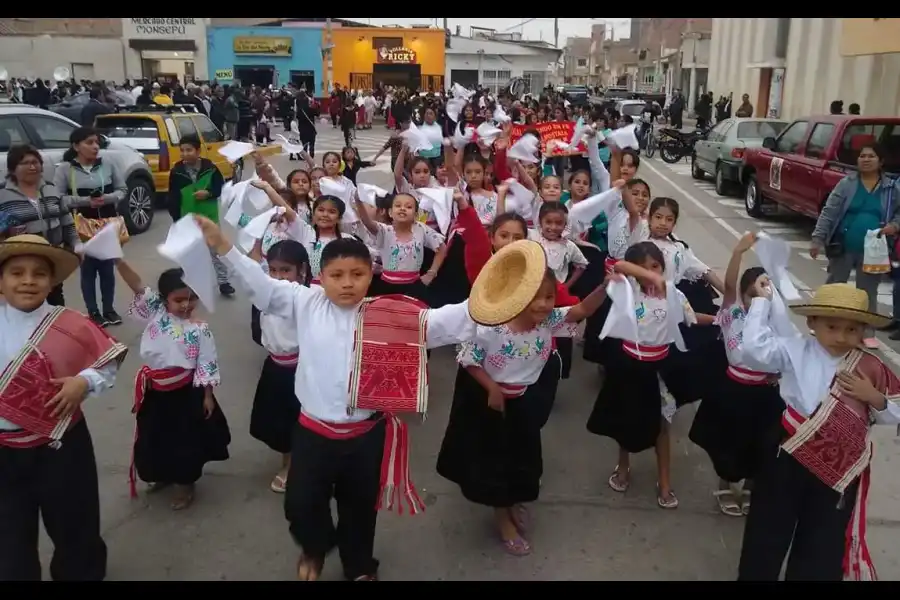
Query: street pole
(329, 66)
(556, 33)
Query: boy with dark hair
(195, 184)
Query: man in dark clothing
(853, 109)
(837, 107)
(676, 110)
(93, 108)
(307, 112)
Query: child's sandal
(728, 504)
(669, 502)
(617, 484)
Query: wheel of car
(723, 186)
(696, 171)
(752, 199)
(138, 206)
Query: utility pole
(329, 66)
(556, 33)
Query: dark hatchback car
(71, 106)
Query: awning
(164, 45)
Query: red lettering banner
(560, 131)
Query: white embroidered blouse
(512, 357)
(681, 263)
(405, 256)
(169, 341)
(560, 254)
(653, 313)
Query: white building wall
(815, 72)
(39, 56)
(517, 65)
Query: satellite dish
(61, 73)
(4, 74)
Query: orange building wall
(354, 55)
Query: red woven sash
(62, 345)
(389, 360)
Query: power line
(517, 25)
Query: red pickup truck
(800, 167)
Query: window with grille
(582, 62)
(504, 75)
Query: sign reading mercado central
(162, 27)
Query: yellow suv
(156, 132)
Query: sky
(534, 29)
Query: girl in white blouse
(401, 247)
(180, 426)
(732, 423)
(628, 407)
(275, 406)
(492, 445)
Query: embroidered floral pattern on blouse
(486, 207)
(244, 220)
(403, 251)
(515, 346)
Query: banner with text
(560, 131)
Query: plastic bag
(876, 258)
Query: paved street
(583, 530)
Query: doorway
(408, 76)
(259, 75)
(304, 80)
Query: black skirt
(594, 275)
(451, 284)
(706, 350)
(564, 347)
(275, 407)
(549, 383)
(495, 457)
(255, 326)
(732, 424)
(628, 408)
(175, 439)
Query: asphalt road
(583, 530)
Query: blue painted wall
(306, 54)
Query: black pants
(334, 120)
(348, 136)
(793, 509)
(308, 141)
(676, 120)
(104, 270)
(61, 486)
(349, 471)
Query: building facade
(492, 64)
(577, 61)
(795, 67)
(168, 50)
(89, 49)
(266, 56)
(363, 57)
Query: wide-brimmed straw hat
(65, 262)
(508, 283)
(842, 301)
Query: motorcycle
(675, 145)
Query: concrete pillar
(692, 89)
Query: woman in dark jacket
(30, 205)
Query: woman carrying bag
(92, 189)
(860, 202)
(30, 205)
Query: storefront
(364, 57)
(168, 50)
(266, 56)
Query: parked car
(71, 106)
(721, 152)
(576, 94)
(633, 108)
(799, 168)
(49, 133)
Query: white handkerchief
(360, 101)
(482, 102)
(487, 133)
(454, 107)
(186, 247)
(289, 147)
(368, 193)
(462, 138)
(518, 198)
(624, 137)
(461, 92)
(774, 255)
(500, 115)
(256, 228)
(235, 151)
(255, 199)
(340, 190)
(566, 103)
(233, 214)
(104, 245)
(415, 139)
(579, 132)
(433, 134)
(439, 201)
(227, 196)
(621, 323)
(525, 149)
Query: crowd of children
(479, 246)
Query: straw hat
(65, 262)
(508, 283)
(842, 301)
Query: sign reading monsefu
(396, 56)
(162, 28)
(551, 131)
